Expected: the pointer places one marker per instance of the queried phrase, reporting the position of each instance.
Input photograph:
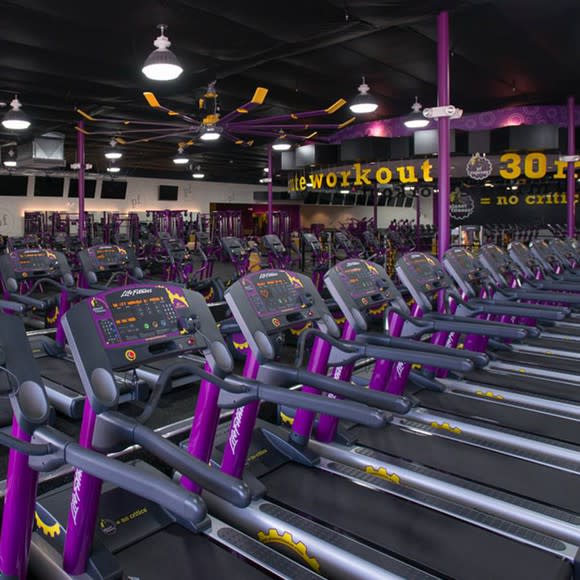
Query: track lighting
(162, 64)
(416, 120)
(364, 102)
(16, 119)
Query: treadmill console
(522, 256)
(371, 240)
(498, 264)
(126, 327)
(173, 247)
(342, 241)
(565, 250)
(106, 259)
(423, 276)
(312, 241)
(546, 255)
(362, 289)
(273, 243)
(269, 302)
(30, 263)
(233, 248)
(465, 270)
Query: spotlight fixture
(10, 161)
(281, 143)
(198, 173)
(210, 133)
(416, 120)
(180, 158)
(16, 119)
(113, 169)
(364, 102)
(162, 64)
(112, 152)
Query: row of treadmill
(427, 428)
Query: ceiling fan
(207, 124)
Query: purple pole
(570, 181)
(376, 208)
(270, 193)
(443, 130)
(417, 222)
(18, 516)
(81, 162)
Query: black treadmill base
(177, 553)
(539, 361)
(531, 480)
(433, 540)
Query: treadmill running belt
(61, 371)
(177, 553)
(554, 344)
(517, 476)
(539, 361)
(524, 384)
(434, 540)
(568, 330)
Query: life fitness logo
(135, 292)
(130, 355)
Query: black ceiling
(65, 54)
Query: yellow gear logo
(379, 310)
(340, 320)
(446, 427)
(240, 345)
(299, 331)
(48, 530)
(286, 419)
(273, 536)
(52, 319)
(383, 474)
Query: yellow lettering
(302, 183)
(512, 170)
(513, 200)
(407, 174)
(331, 179)
(362, 177)
(316, 180)
(530, 200)
(383, 175)
(502, 200)
(535, 165)
(345, 175)
(426, 167)
(560, 166)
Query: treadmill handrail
(453, 323)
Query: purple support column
(81, 162)
(570, 181)
(418, 222)
(376, 208)
(443, 130)
(270, 193)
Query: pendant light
(364, 102)
(162, 64)
(281, 143)
(180, 158)
(198, 173)
(112, 152)
(10, 161)
(416, 120)
(113, 169)
(210, 133)
(16, 119)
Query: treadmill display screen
(422, 267)
(33, 260)
(138, 314)
(360, 277)
(108, 256)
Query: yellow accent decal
(209, 295)
(259, 95)
(241, 110)
(240, 345)
(52, 319)
(286, 419)
(335, 106)
(340, 320)
(52, 530)
(299, 331)
(383, 474)
(295, 280)
(522, 371)
(174, 297)
(446, 427)
(489, 394)
(346, 123)
(151, 100)
(172, 113)
(272, 536)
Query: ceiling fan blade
(257, 99)
(155, 104)
(158, 138)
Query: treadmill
(109, 265)
(372, 506)
(138, 536)
(25, 273)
